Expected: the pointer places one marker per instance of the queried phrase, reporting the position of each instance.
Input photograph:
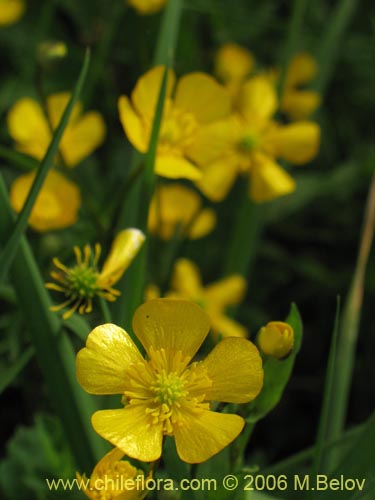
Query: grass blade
(7, 376)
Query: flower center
(177, 130)
(83, 281)
(247, 143)
(168, 388)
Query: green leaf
(13, 240)
(276, 373)
(10, 373)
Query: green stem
(106, 313)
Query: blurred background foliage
(310, 241)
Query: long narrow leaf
(8, 375)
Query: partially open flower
(83, 282)
(166, 394)
(276, 339)
(114, 479)
(175, 207)
(32, 129)
(147, 6)
(11, 11)
(56, 206)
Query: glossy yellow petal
(269, 181)
(29, 127)
(233, 62)
(258, 100)
(124, 248)
(202, 435)
(204, 97)
(132, 125)
(176, 167)
(146, 92)
(302, 69)
(129, 429)
(227, 327)
(218, 178)
(212, 142)
(103, 363)
(300, 104)
(276, 339)
(228, 291)
(186, 279)
(11, 11)
(56, 206)
(173, 325)
(56, 104)
(82, 138)
(203, 224)
(147, 6)
(297, 143)
(235, 368)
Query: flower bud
(276, 339)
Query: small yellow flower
(250, 144)
(198, 100)
(165, 394)
(83, 282)
(114, 478)
(147, 6)
(51, 51)
(56, 206)
(214, 298)
(276, 339)
(32, 130)
(175, 207)
(233, 64)
(296, 102)
(11, 11)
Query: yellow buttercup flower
(11, 11)
(32, 130)
(250, 143)
(114, 478)
(214, 298)
(233, 64)
(175, 207)
(147, 6)
(56, 206)
(83, 282)
(165, 394)
(276, 339)
(198, 99)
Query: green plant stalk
(18, 159)
(320, 460)
(13, 240)
(53, 349)
(350, 322)
(331, 40)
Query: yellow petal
(82, 138)
(297, 142)
(170, 324)
(227, 327)
(56, 206)
(202, 435)
(103, 363)
(233, 62)
(204, 97)
(228, 291)
(129, 429)
(124, 248)
(11, 11)
(269, 181)
(300, 104)
(258, 100)
(302, 69)
(29, 127)
(235, 368)
(56, 104)
(212, 142)
(186, 279)
(218, 178)
(176, 167)
(146, 92)
(203, 224)
(132, 125)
